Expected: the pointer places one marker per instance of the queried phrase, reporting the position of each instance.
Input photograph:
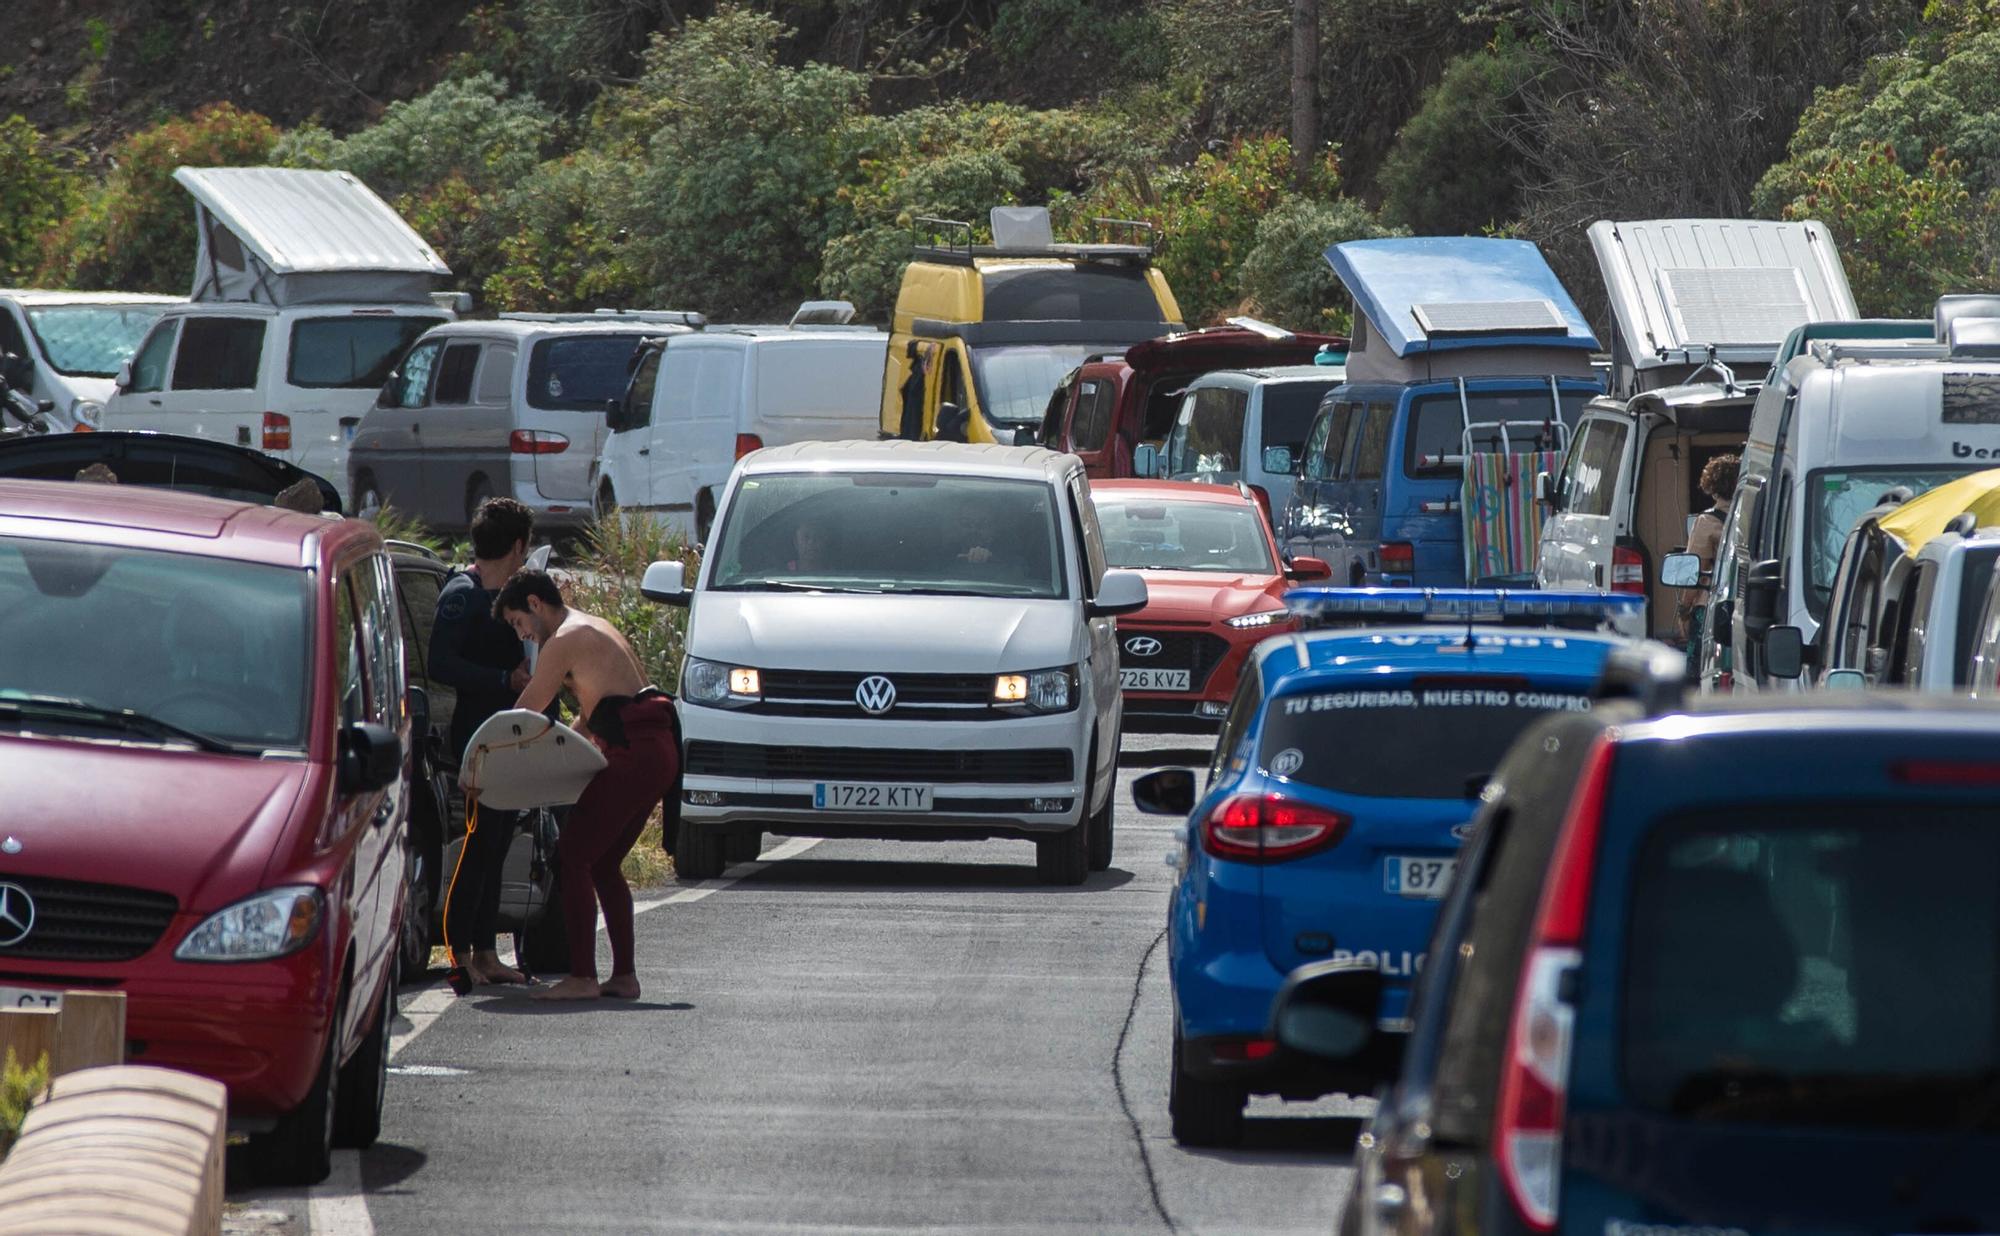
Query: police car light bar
(1364, 606)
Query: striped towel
(1503, 522)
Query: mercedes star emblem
(1143, 646)
(876, 695)
(10, 846)
(17, 915)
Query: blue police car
(1344, 778)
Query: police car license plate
(30, 998)
(1153, 679)
(1417, 877)
(870, 796)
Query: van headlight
(259, 928)
(712, 683)
(1049, 690)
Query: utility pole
(1305, 87)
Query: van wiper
(993, 590)
(124, 719)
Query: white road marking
(338, 1206)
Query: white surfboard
(520, 759)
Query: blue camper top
(1439, 293)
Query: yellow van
(982, 334)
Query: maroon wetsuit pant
(640, 738)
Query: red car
(1216, 582)
(202, 727)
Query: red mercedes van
(202, 794)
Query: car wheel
(298, 1150)
(607, 501)
(699, 854)
(1100, 834)
(742, 847)
(543, 946)
(420, 908)
(364, 1079)
(479, 491)
(367, 495)
(1204, 1113)
(1064, 857)
(704, 517)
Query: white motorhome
(308, 290)
(697, 403)
(1695, 302)
(71, 346)
(1845, 422)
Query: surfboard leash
(458, 976)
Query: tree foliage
(1450, 171)
(39, 186)
(1285, 277)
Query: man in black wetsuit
(482, 658)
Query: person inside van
(808, 549)
(1718, 481)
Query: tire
(367, 498)
(1204, 1113)
(420, 906)
(606, 505)
(544, 947)
(698, 855)
(299, 1149)
(1064, 857)
(742, 847)
(1099, 829)
(704, 517)
(364, 1080)
(479, 491)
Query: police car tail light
(1628, 570)
(1534, 1087)
(1269, 828)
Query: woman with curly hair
(1718, 481)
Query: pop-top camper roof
(1680, 287)
(1458, 306)
(285, 236)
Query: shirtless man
(635, 726)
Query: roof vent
(824, 313)
(1462, 319)
(1975, 338)
(1735, 305)
(1951, 308)
(1022, 227)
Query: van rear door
(1577, 540)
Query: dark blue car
(1345, 775)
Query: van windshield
(891, 532)
(1432, 737)
(202, 644)
(354, 351)
(1014, 381)
(1833, 964)
(580, 373)
(1836, 499)
(91, 341)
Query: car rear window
(351, 352)
(1427, 737)
(1833, 964)
(581, 373)
(1437, 426)
(1289, 408)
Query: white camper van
(308, 289)
(71, 346)
(698, 403)
(1696, 302)
(1844, 423)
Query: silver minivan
(513, 407)
(1246, 425)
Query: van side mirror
(1844, 680)
(1145, 460)
(665, 582)
(1278, 460)
(18, 370)
(1784, 651)
(1679, 570)
(951, 423)
(614, 415)
(1328, 1009)
(124, 379)
(1760, 595)
(1306, 570)
(371, 757)
(1120, 592)
(1545, 489)
(1169, 791)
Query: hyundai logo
(17, 915)
(876, 695)
(1143, 646)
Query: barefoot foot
(621, 987)
(488, 968)
(571, 988)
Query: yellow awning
(1917, 522)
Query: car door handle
(645, 450)
(154, 402)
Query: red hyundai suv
(1215, 585)
(202, 724)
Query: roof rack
(1323, 606)
(951, 240)
(1833, 351)
(662, 317)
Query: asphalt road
(846, 1037)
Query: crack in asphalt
(1125, 1100)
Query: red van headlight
(259, 928)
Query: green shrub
(472, 129)
(610, 562)
(39, 187)
(566, 245)
(1449, 173)
(19, 1088)
(1286, 279)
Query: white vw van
(698, 403)
(908, 640)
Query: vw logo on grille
(17, 915)
(1143, 646)
(876, 695)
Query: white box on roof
(287, 236)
